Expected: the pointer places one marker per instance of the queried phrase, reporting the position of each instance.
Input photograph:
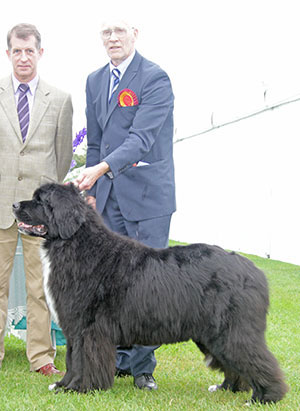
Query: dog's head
(55, 210)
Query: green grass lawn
(181, 374)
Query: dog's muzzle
(36, 230)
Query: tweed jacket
(135, 140)
(47, 152)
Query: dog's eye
(37, 201)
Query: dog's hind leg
(232, 381)
(254, 364)
(265, 376)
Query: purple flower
(78, 139)
(76, 142)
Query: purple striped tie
(23, 110)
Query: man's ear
(40, 52)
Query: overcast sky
(220, 54)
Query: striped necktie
(116, 80)
(23, 110)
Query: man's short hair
(23, 31)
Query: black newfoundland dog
(107, 290)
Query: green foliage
(79, 160)
(181, 374)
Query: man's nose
(113, 36)
(24, 55)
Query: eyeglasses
(119, 32)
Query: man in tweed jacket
(45, 155)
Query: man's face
(118, 39)
(24, 57)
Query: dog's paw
(52, 387)
(214, 388)
(56, 388)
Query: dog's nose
(16, 206)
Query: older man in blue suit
(130, 170)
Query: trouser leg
(136, 360)
(8, 244)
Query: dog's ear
(68, 210)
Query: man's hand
(90, 175)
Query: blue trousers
(154, 232)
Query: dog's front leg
(93, 363)
(99, 360)
(72, 381)
(74, 363)
(69, 373)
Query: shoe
(49, 369)
(121, 373)
(146, 382)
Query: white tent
(238, 182)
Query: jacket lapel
(129, 74)
(8, 103)
(104, 93)
(40, 105)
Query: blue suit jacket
(141, 134)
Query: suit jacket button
(20, 178)
(107, 146)
(22, 153)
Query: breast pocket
(128, 113)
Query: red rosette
(127, 98)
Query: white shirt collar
(32, 84)
(123, 66)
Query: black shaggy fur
(109, 290)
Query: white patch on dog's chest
(46, 274)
